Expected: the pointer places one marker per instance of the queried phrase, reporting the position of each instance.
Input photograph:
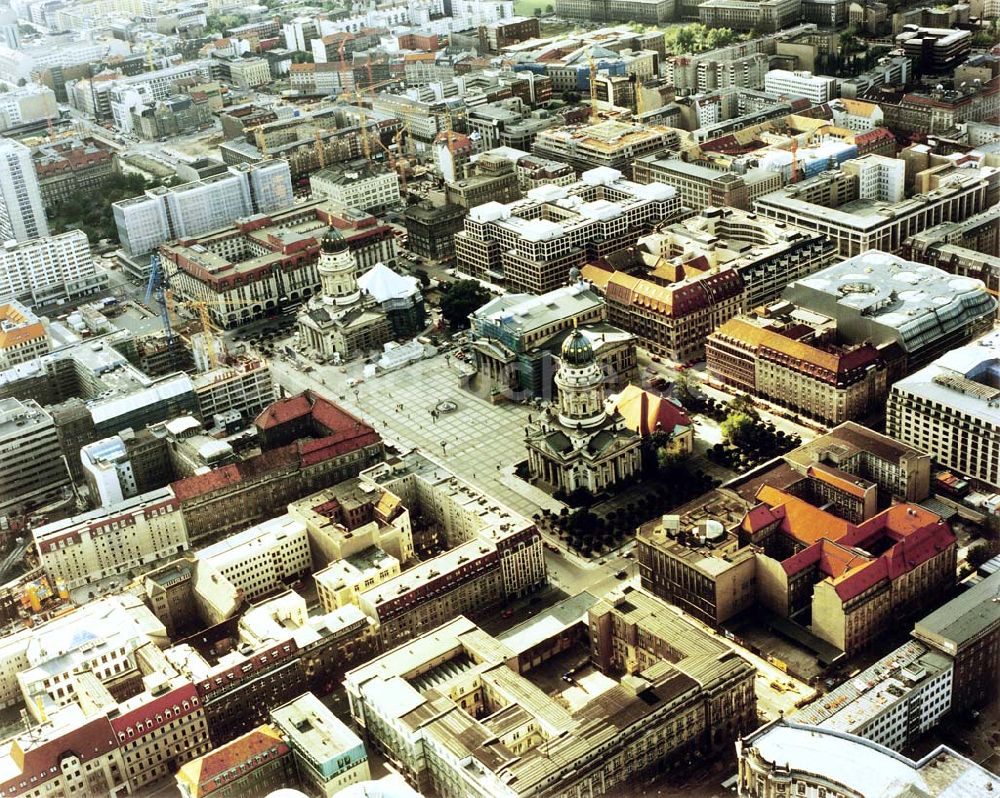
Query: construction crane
(795, 160)
(159, 284)
(639, 100)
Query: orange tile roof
(645, 413)
(758, 337)
(19, 335)
(254, 749)
(801, 520)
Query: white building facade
(22, 213)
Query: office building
(949, 409)
(329, 755)
(121, 538)
(793, 357)
(193, 209)
(496, 36)
(48, 270)
(805, 759)
(755, 15)
(581, 446)
(69, 166)
(494, 555)
(307, 444)
(246, 271)
(254, 764)
(831, 204)
(768, 256)
(32, 469)
(885, 300)
(244, 387)
(22, 336)
(22, 212)
(703, 186)
(967, 630)
(23, 105)
(815, 88)
(892, 702)
(357, 185)
(609, 143)
(859, 596)
(672, 317)
(431, 229)
(534, 243)
(934, 49)
(492, 179)
(260, 560)
(650, 12)
(588, 746)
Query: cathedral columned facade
(577, 443)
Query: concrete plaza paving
(477, 440)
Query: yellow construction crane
(366, 145)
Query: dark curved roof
(333, 241)
(576, 350)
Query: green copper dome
(576, 350)
(333, 241)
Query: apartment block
(815, 88)
(45, 270)
(330, 756)
(22, 212)
(193, 209)
(32, 469)
(532, 244)
(892, 703)
(494, 554)
(434, 703)
(22, 336)
(113, 540)
(256, 763)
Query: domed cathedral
(341, 321)
(578, 443)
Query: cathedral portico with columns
(577, 443)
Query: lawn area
(526, 8)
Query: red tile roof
(338, 433)
(647, 413)
(91, 740)
(152, 714)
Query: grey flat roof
(964, 617)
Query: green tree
(743, 404)
(737, 429)
(424, 277)
(459, 300)
(91, 211)
(977, 554)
